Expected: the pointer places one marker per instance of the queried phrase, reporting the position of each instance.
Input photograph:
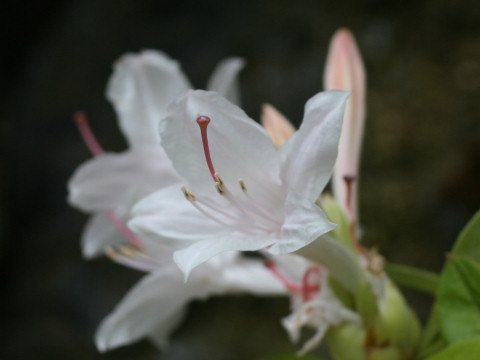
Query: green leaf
(468, 242)
(464, 350)
(421, 280)
(458, 300)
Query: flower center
(243, 213)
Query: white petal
(339, 261)
(309, 155)
(166, 218)
(154, 306)
(224, 79)
(239, 147)
(98, 234)
(107, 181)
(304, 223)
(140, 89)
(201, 251)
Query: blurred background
(420, 167)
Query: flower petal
(140, 89)
(98, 234)
(239, 147)
(224, 79)
(154, 306)
(201, 251)
(337, 259)
(110, 180)
(277, 125)
(304, 223)
(308, 157)
(166, 218)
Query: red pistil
(93, 145)
(203, 122)
(87, 135)
(307, 288)
(310, 289)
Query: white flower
(241, 193)
(155, 306)
(140, 89)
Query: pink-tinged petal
(154, 306)
(140, 89)
(110, 180)
(98, 234)
(239, 147)
(277, 125)
(201, 251)
(345, 71)
(309, 155)
(224, 79)
(304, 223)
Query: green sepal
(336, 215)
(366, 303)
(346, 342)
(341, 293)
(421, 280)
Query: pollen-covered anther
(242, 185)
(219, 184)
(126, 250)
(110, 252)
(188, 195)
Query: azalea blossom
(154, 307)
(240, 193)
(140, 89)
(109, 184)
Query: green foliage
(458, 304)
(421, 280)
(464, 350)
(468, 242)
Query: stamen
(242, 185)
(190, 196)
(310, 290)
(87, 135)
(285, 281)
(203, 122)
(120, 225)
(132, 258)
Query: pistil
(203, 122)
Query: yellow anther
(242, 185)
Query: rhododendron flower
(155, 306)
(108, 185)
(240, 192)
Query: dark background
(420, 169)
